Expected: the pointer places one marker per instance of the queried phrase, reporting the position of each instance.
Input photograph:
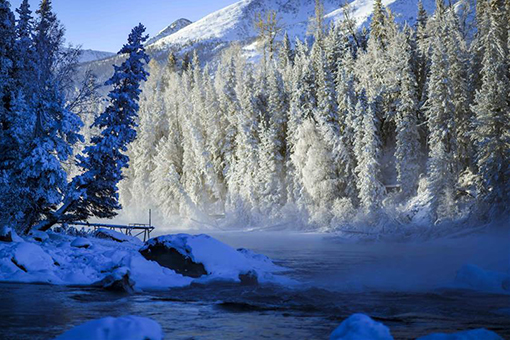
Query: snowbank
(67, 260)
(474, 277)
(360, 326)
(109, 328)
(477, 334)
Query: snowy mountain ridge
(169, 30)
(236, 22)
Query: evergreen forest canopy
(40, 124)
(406, 125)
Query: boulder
(170, 257)
(249, 278)
(118, 281)
(5, 234)
(81, 242)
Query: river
(407, 286)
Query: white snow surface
(361, 326)
(56, 261)
(119, 236)
(236, 22)
(476, 334)
(126, 328)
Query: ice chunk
(361, 326)
(127, 328)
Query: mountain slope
(235, 22)
(91, 55)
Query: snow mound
(115, 235)
(31, 257)
(474, 277)
(361, 326)
(109, 328)
(477, 334)
(221, 261)
(80, 242)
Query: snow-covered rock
(115, 236)
(109, 328)
(118, 281)
(39, 236)
(361, 326)
(474, 277)
(5, 234)
(120, 266)
(219, 260)
(476, 334)
(31, 257)
(80, 242)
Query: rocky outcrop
(167, 256)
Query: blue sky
(105, 24)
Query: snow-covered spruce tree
(492, 113)
(346, 101)
(142, 151)
(247, 143)
(56, 128)
(295, 116)
(95, 192)
(370, 188)
(407, 147)
(227, 104)
(7, 145)
(442, 162)
(326, 116)
(458, 73)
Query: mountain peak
(170, 29)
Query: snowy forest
(40, 125)
(381, 126)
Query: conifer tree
(370, 188)
(492, 110)
(407, 139)
(442, 162)
(95, 191)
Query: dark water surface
(398, 285)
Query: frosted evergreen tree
(442, 162)
(270, 193)
(370, 188)
(247, 143)
(346, 101)
(56, 128)
(458, 73)
(407, 138)
(492, 111)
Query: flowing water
(405, 286)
